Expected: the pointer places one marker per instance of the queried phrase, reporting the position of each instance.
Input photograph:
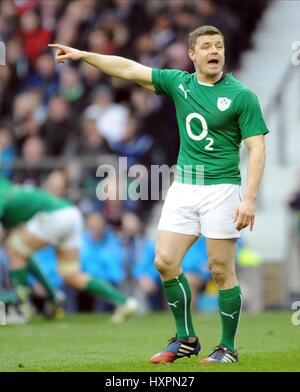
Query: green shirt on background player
(18, 204)
(39, 219)
(212, 120)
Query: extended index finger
(57, 46)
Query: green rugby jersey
(18, 204)
(212, 120)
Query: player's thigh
(171, 247)
(220, 202)
(179, 213)
(221, 254)
(23, 242)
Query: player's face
(208, 54)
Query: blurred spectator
(140, 262)
(91, 77)
(162, 32)
(145, 50)
(227, 22)
(7, 151)
(175, 56)
(56, 183)
(186, 19)
(8, 86)
(135, 146)
(100, 42)
(33, 36)
(48, 10)
(112, 210)
(110, 117)
(67, 32)
(143, 103)
(102, 253)
(45, 77)
(28, 115)
(91, 140)
(33, 152)
(60, 131)
(91, 144)
(71, 88)
(294, 201)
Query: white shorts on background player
(201, 209)
(61, 228)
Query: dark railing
(77, 165)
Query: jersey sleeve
(165, 80)
(250, 118)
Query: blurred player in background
(215, 112)
(36, 219)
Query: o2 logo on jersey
(296, 315)
(203, 134)
(223, 103)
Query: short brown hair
(202, 30)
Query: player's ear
(191, 54)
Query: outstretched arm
(111, 65)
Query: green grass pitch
(267, 342)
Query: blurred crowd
(52, 117)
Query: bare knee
(17, 255)
(167, 267)
(162, 262)
(76, 280)
(218, 270)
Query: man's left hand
(245, 214)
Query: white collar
(207, 84)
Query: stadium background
(59, 122)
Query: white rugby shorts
(201, 209)
(61, 228)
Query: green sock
(35, 269)
(19, 277)
(230, 303)
(19, 281)
(178, 294)
(9, 297)
(100, 288)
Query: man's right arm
(110, 65)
